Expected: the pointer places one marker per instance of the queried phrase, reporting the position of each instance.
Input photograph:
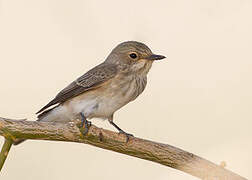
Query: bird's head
(136, 57)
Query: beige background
(198, 99)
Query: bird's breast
(105, 100)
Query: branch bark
(5, 151)
(157, 152)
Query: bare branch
(5, 151)
(160, 153)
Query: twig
(160, 153)
(5, 151)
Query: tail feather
(43, 114)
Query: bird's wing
(90, 80)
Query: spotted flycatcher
(100, 92)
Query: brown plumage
(100, 92)
(90, 80)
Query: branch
(5, 151)
(160, 153)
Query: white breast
(100, 103)
(103, 104)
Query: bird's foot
(121, 131)
(126, 134)
(84, 125)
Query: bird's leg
(121, 131)
(84, 124)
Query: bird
(103, 90)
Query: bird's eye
(133, 55)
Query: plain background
(198, 99)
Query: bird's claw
(85, 124)
(126, 134)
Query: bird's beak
(155, 57)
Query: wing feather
(90, 80)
